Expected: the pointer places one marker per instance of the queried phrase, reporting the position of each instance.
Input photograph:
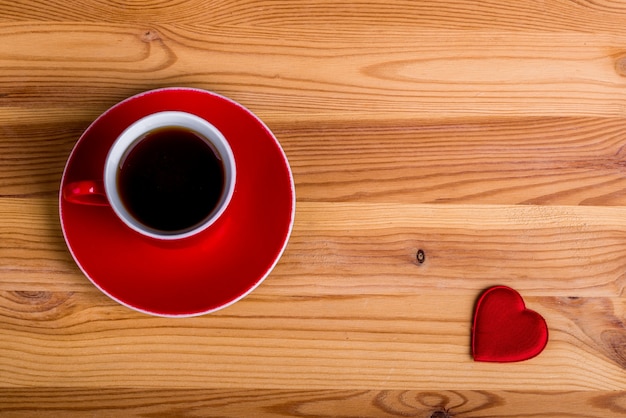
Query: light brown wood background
(489, 134)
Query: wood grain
(302, 75)
(488, 135)
(560, 161)
(323, 403)
(526, 15)
(371, 248)
(541, 161)
(301, 342)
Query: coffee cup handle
(86, 192)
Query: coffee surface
(171, 180)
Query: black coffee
(171, 179)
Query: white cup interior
(133, 134)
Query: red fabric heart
(504, 330)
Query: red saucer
(211, 270)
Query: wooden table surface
(491, 135)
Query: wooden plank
(545, 250)
(371, 248)
(313, 75)
(74, 339)
(50, 402)
(525, 15)
(547, 161)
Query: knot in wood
(620, 65)
(150, 35)
(441, 414)
(38, 302)
(33, 297)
